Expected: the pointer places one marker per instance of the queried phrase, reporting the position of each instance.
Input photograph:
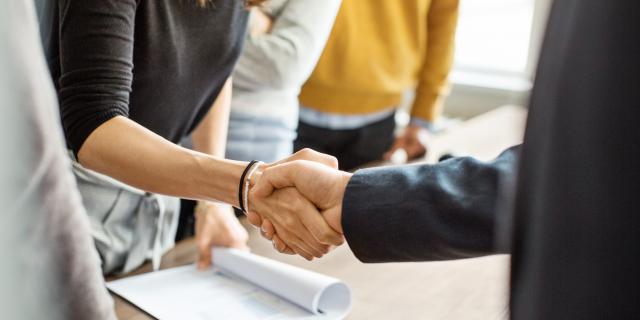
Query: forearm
(285, 56)
(425, 212)
(126, 151)
(433, 85)
(210, 136)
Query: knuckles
(289, 222)
(307, 153)
(327, 237)
(332, 161)
(312, 155)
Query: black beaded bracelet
(241, 187)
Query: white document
(241, 285)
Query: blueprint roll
(241, 285)
(314, 292)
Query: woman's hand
(296, 219)
(297, 222)
(217, 225)
(315, 200)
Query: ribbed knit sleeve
(96, 50)
(285, 57)
(433, 84)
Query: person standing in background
(49, 268)
(378, 50)
(285, 41)
(133, 79)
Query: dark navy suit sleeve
(425, 212)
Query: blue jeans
(258, 138)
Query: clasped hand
(297, 203)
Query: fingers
(268, 232)
(416, 141)
(291, 230)
(282, 210)
(295, 219)
(216, 225)
(311, 248)
(301, 253)
(397, 144)
(318, 226)
(204, 257)
(415, 149)
(267, 229)
(299, 245)
(254, 219)
(203, 240)
(280, 246)
(203, 243)
(309, 226)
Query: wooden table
(464, 289)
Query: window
(499, 37)
(497, 48)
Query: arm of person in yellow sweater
(427, 106)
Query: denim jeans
(258, 138)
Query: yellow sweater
(380, 48)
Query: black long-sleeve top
(161, 63)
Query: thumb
(312, 155)
(254, 219)
(276, 177)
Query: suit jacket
(571, 219)
(425, 212)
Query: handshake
(297, 203)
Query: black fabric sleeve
(425, 212)
(96, 62)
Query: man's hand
(217, 225)
(413, 140)
(296, 218)
(297, 221)
(323, 186)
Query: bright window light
(494, 36)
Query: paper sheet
(240, 286)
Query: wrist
(208, 206)
(345, 177)
(419, 123)
(260, 167)
(217, 180)
(246, 183)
